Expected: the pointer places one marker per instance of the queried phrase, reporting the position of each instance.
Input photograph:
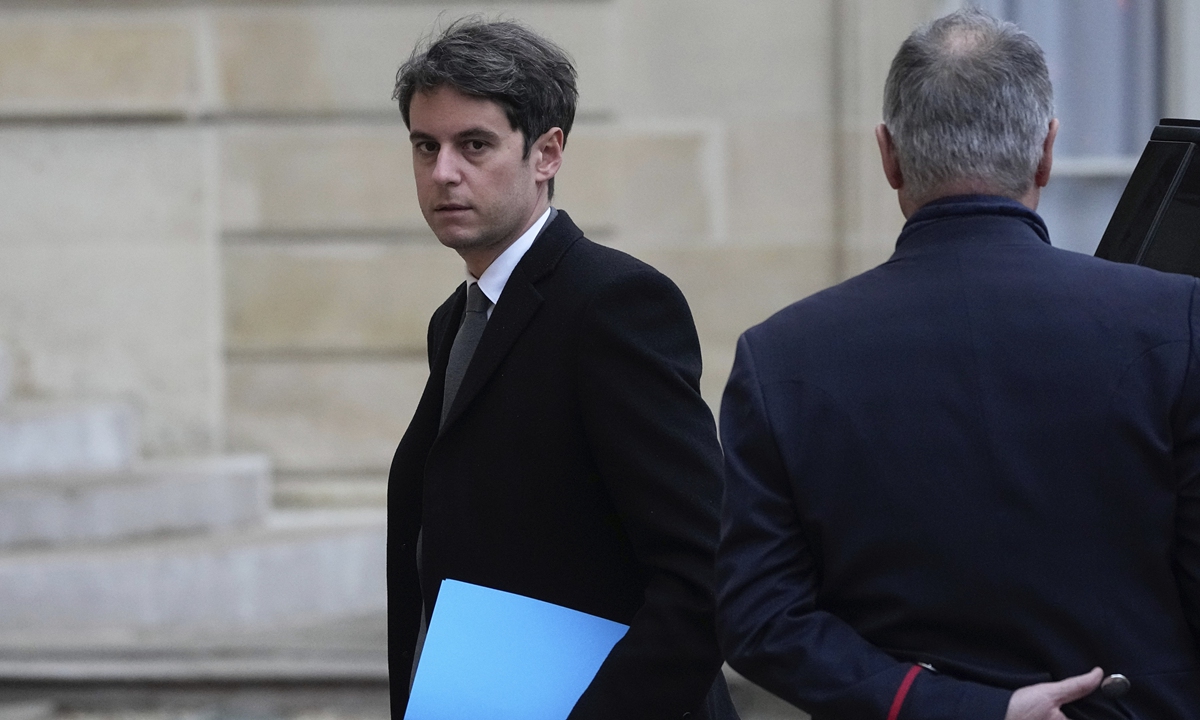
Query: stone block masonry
(162, 497)
(315, 567)
(39, 438)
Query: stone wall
(110, 274)
(207, 208)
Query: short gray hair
(968, 98)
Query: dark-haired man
(962, 482)
(561, 449)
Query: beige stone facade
(110, 272)
(207, 209)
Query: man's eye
(426, 147)
(476, 145)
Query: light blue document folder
(492, 655)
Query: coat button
(1114, 686)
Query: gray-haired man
(958, 483)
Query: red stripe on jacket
(898, 701)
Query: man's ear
(547, 154)
(891, 161)
(1042, 178)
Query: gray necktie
(469, 332)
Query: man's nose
(446, 168)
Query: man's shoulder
(565, 253)
(1124, 292)
(825, 311)
(867, 307)
(589, 268)
(604, 262)
(1119, 274)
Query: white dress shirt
(496, 276)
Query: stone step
(38, 438)
(159, 496)
(27, 710)
(342, 650)
(299, 566)
(340, 491)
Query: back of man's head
(968, 102)
(530, 77)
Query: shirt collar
(493, 280)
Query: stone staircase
(39, 438)
(102, 549)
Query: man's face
(477, 192)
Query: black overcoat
(578, 465)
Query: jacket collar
(991, 217)
(518, 304)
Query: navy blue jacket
(983, 455)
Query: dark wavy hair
(528, 76)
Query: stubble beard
(469, 241)
(466, 240)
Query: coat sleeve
(769, 621)
(1187, 468)
(655, 446)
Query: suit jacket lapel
(518, 304)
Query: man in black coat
(561, 449)
(962, 482)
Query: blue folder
(498, 656)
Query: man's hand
(1042, 701)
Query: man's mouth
(450, 208)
